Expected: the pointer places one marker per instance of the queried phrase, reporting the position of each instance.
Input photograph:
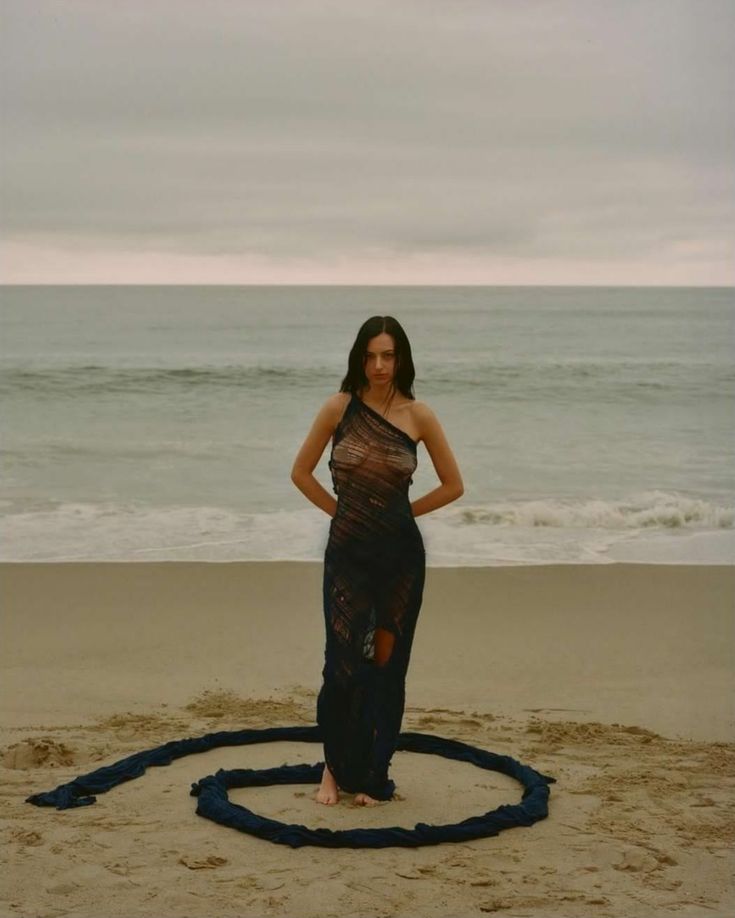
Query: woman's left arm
(442, 457)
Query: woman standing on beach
(374, 563)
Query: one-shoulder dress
(374, 570)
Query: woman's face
(380, 360)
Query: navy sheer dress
(374, 569)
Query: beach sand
(618, 680)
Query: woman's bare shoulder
(336, 404)
(420, 409)
(340, 399)
(423, 417)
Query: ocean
(590, 424)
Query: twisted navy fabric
(213, 802)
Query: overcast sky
(362, 141)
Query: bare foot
(328, 792)
(362, 799)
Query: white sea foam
(530, 532)
(642, 510)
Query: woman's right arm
(311, 452)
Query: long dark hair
(355, 378)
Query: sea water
(590, 424)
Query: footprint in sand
(38, 752)
(635, 861)
(207, 863)
(29, 838)
(62, 889)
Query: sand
(616, 679)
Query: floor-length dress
(374, 569)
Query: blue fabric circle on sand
(213, 802)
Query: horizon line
(428, 286)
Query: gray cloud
(533, 130)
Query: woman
(374, 563)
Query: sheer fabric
(374, 570)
